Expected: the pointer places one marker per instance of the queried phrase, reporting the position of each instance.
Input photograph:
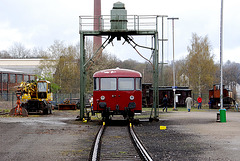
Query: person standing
(91, 101)
(236, 106)
(199, 99)
(91, 104)
(189, 103)
(165, 101)
(211, 101)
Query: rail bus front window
(138, 84)
(96, 84)
(126, 84)
(42, 86)
(108, 84)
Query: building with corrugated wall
(15, 71)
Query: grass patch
(5, 110)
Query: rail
(141, 150)
(96, 148)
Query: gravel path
(52, 137)
(192, 136)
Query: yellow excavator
(33, 97)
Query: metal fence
(133, 22)
(204, 96)
(58, 98)
(10, 99)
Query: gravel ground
(53, 137)
(192, 136)
(189, 136)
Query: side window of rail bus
(138, 84)
(108, 84)
(125, 84)
(96, 84)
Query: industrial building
(29, 66)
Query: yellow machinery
(35, 97)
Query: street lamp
(174, 84)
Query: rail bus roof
(117, 72)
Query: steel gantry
(119, 25)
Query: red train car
(117, 92)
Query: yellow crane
(33, 97)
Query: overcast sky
(37, 23)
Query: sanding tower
(118, 25)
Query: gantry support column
(82, 75)
(155, 76)
(111, 36)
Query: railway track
(118, 143)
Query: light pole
(221, 59)
(222, 111)
(174, 84)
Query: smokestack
(97, 40)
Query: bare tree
(181, 77)
(4, 54)
(38, 53)
(18, 50)
(168, 75)
(231, 76)
(61, 65)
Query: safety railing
(134, 22)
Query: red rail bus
(117, 92)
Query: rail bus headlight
(131, 97)
(102, 98)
